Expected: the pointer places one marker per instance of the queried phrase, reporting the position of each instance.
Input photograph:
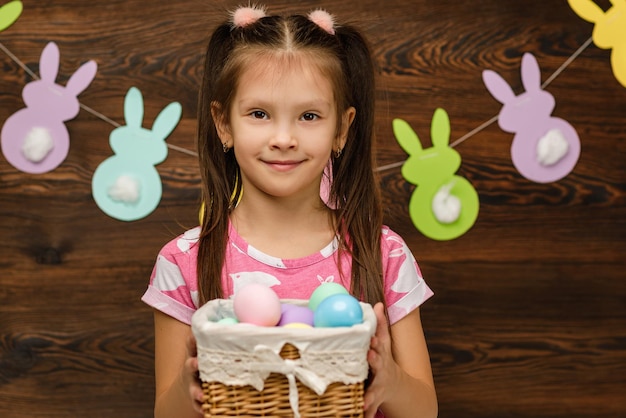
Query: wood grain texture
(529, 317)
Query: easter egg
(297, 325)
(228, 321)
(295, 313)
(338, 311)
(323, 291)
(257, 304)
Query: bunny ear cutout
(614, 31)
(531, 74)
(9, 13)
(49, 62)
(498, 87)
(406, 137)
(440, 129)
(609, 32)
(167, 120)
(81, 79)
(587, 9)
(133, 108)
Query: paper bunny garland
(9, 14)
(127, 186)
(545, 148)
(35, 139)
(609, 31)
(444, 205)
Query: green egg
(228, 321)
(325, 290)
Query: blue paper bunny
(127, 186)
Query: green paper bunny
(444, 205)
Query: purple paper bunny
(35, 139)
(545, 148)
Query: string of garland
(457, 142)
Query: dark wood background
(529, 317)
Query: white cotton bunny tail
(551, 148)
(446, 207)
(37, 144)
(126, 189)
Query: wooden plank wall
(529, 318)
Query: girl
(283, 99)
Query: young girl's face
(283, 127)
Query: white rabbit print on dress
(244, 278)
(127, 186)
(35, 139)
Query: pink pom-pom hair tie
(248, 15)
(324, 20)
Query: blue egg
(338, 311)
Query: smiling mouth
(283, 165)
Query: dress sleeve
(405, 288)
(173, 287)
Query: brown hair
(345, 59)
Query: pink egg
(257, 304)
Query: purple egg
(295, 313)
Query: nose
(284, 137)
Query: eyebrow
(309, 104)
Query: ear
(406, 137)
(498, 87)
(167, 120)
(133, 108)
(587, 10)
(49, 62)
(221, 125)
(81, 79)
(9, 13)
(440, 129)
(346, 121)
(531, 74)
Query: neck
(286, 228)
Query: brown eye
(259, 114)
(309, 117)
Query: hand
(383, 367)
(190, 375)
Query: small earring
(225, 147)
(338, 152)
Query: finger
(382, 330)
(193, 364)
(369, 409)
(192, 349)
(198, 396)
(373, 359)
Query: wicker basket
(343, 398)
